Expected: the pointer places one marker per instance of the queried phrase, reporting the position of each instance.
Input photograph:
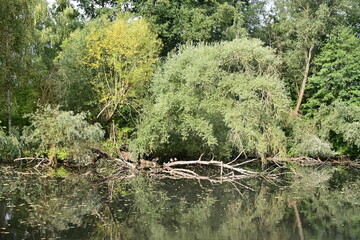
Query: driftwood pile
(200, 169)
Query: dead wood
(30, 159)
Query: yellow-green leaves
(122, 55)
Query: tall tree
(17, 22)
(302, 24)
(118, 59)
(54, 25)
(338, 77)
(216, 99)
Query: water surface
(312, 204)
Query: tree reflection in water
(142, 208)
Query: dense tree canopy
(338, 78)
(186, 77)
(339, 123)
(17, 24)
(95, 8)
(215, 97)
(114, 59)
(181, 21)
(301, 27)
(191, 89)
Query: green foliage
(10, 147)
(338, 78)
(61, 173)
(17, 26)
(54, 24)
(179, 21)
(341, 177)
(123, 137)
(72, 75)
(122, 56)
(59, 133)
(31, 40)
(95, 8)
(312, 146)
(339, 124)
(212, 98)
(113, 62)
(304, 140)
(255, 16)
(298, 28)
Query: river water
(322, 203)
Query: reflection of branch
(298, 220)
(176, 175)
(212, 163)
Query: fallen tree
(107, 168)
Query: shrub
(10, 147)
(305, 141)
(339, 124)
(57, 133)
(61, 173)
(214, 99)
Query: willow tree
(214, 99)
(118, 59)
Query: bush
(214, 99)
(304, 140)
(61, 173)
(57, 134)
(339, 124)
(10, 147)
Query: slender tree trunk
(113, 131)
(298, 219)
(8, 83)
(9, 109)
(108, 115)
(308, 58)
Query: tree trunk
(298, 219)
(308, 58)
(8, 84)
(109, 119)
(113, 131)
(9, 109)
